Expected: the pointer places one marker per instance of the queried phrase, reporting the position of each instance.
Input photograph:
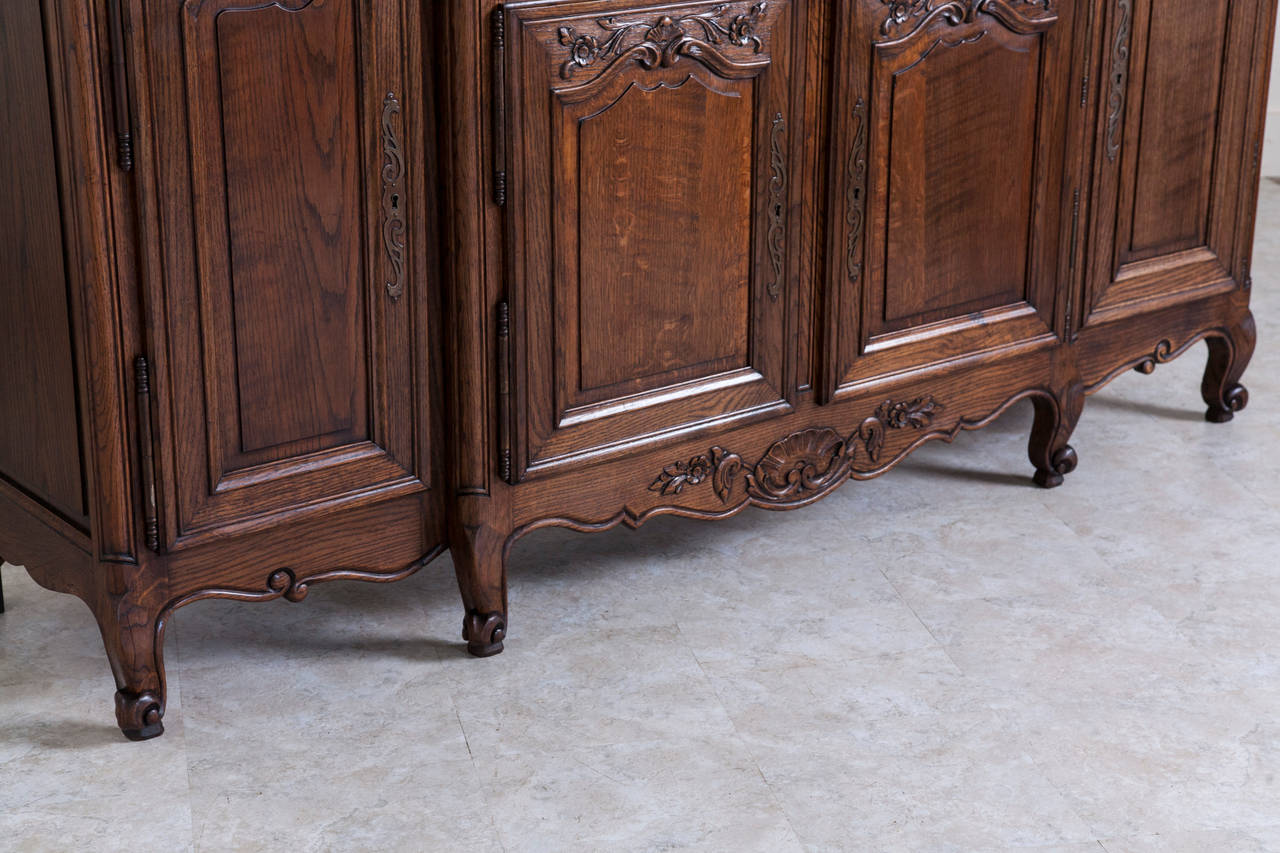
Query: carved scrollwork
(778, 205)
(801, 466)
(393, 173)
(665, 41)
(907, 17)
(1119, 77)
(139, 715)
(1163, 354)
(484, 633)
(281, 583)
(856, 192)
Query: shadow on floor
(61, 734)
(1169, 413)
(970, 475)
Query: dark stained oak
(40, 430)
(296, 303)
(311, 290)
(637, 230)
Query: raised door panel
(1172, 159)
(286, 206)
(649, 211)
(950, 131)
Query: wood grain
(40, 429)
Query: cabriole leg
(1228, 358)
(1055, 421)
(482, 579)
(127, 610)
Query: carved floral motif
(664, 41)
(800, 466)
(907, 17)
(677, 475)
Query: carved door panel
(950, 127)
(1173, 168)
(288, 304)
(649, 210)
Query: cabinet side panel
(39, 429)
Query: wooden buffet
(313, 290)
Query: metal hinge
(146, 453)
(504, 391)
(120, 87)
(499, 107)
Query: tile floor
(943, 659)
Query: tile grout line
(933, 636)
(1005, 721)
(751, 753)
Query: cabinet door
(1172, 160)
(949, 132)
(291, 273)
(650, 212)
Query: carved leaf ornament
(664, 41)
(800, 466)
(907, 17)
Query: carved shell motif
(802, 463)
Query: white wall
(1271, 144)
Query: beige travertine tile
(554, 693)
(399, 806)
(1203, 763)
(699, 794)
(1236, 841)
(106, 825)
(977, 790)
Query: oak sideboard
(313, 290)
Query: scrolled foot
(1229, 355)
(1064, 462)
(1055, 421)
(139, 715)
(1234, 400)
(484, 633)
